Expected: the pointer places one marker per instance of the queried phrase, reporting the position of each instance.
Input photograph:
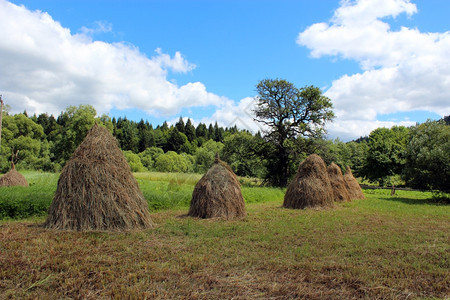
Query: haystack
(353, 188)
(217, 194)
(337, 183)
(311, 186)
(96, 189)
(13, 178)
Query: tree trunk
(283, 167)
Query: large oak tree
(288, 114)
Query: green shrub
(173, 162)
(23, 207)
(149, 155)
(24, 202)
(134, 161)
(204, 156)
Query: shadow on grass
(429, 201)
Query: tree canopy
(386, 153)
(428, 156)
(288, 114)
(417, 156)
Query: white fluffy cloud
(402, 70)
(45, 68)
(240, 114)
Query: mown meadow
(386, 247)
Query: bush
(24, 202)
(203, 159)
(173, 162)
(204, 156)
(134, 161)
(149, 155)
(23, 208)
(239, 152)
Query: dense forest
(417, 156)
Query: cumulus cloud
(239, 114)
(401, 70)
(99, 27)
(46, 68)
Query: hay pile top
(96, 189)
(218, 194)
(13, 178)
(311, 186)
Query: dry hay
(353, 188)
(96, 189)
(218, 194)
(337, 183)
(311, 186)
(13, 178)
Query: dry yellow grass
(380, 248)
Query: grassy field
(385, 247)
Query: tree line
(293, 119)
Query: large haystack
(217, 194)
(311, 186)
(337, 183)
(353, 188)
(96, 189)
(13, 178)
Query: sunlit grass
(178, 178)
(161, 190)
(383, 247)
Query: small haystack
(218, 194)
(96, 189)
(337, 183)
(353, 188)
(311, 186)
(13, 178)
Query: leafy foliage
(75, 123)
(289, 113)
(428, 156)
(149, 155)
(20, 134)
(240, 151)
(174, 162)
(204, 155)
(418, 155)
(134, 161)
(386, 153)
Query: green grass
(161, 190)
(24, 202)
(384, 247)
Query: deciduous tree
(289, 113)
(428, 156)
(386, 153)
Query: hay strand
(310, 187)
(96, 189)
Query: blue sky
(381, 65)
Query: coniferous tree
(210, 132)
(180, 125)
(189, 130)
